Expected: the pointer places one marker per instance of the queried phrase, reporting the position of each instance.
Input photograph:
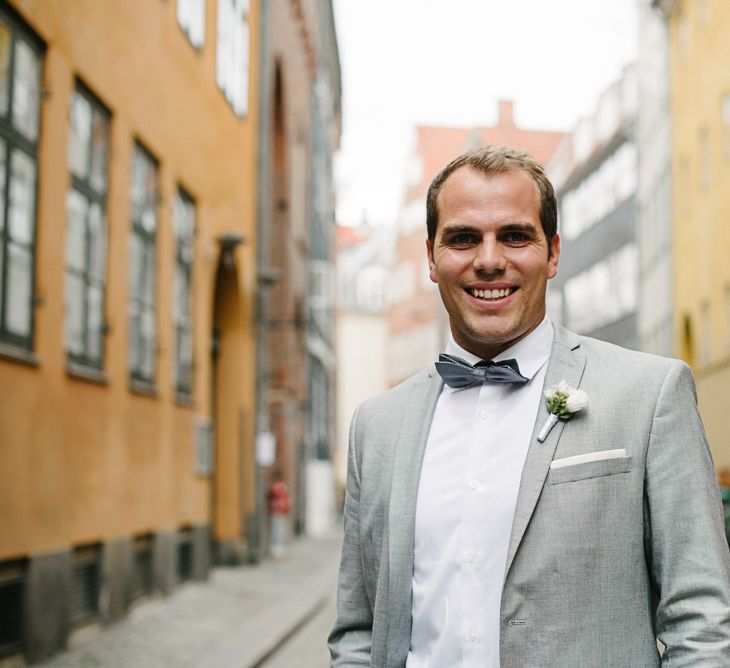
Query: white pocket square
(588, 457)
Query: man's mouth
(491, 294)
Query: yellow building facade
(127, 297)
(700, 93)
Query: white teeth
(490, 294)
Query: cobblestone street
(307, 648)
(237, 619)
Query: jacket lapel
(410, 446)
(567, 362)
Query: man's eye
(515, 237)
(462, 239)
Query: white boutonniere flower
(563, 400)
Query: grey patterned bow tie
(458, 373)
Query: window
(85, 583)
(142, 577)
(321, 295)
(86, 231)
(183, 221)
(232, 61)
(20, 89)
(203, 447)
(191, 17)
(185, 554)
(13, 575)
(143, 267)
(600, 193)
(594, 298)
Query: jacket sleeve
(351, 638)
(685, 543)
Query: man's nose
(489, 257)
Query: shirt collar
(531, 352)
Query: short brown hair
(497, 160)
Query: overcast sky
(447, 62)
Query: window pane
(144, 191)
(78, 156)
(191, 16)
(149, 220)
(26, 90)
(178, 216)
(74, 324)
(143, 264)
(76, 208)
(3, 155)
(5, 45)
(97, 243)
(22, 196)
(95, 322)
(18, 314)
(178, 307)
(148, 287)
(99, 151)
(136, 250)
(147, 324)
(185, 360)
(139, 177)
(149, 216)
(240, 60)
(147, 331)
(232, 53)
(134, 344)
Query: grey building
(595, 175)
(654, 193)
(325, 136)
(299, 131)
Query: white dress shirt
(467, 494)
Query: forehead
(469, 187)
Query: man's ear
(553, 256)
(431, 263)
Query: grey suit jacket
(604, 556)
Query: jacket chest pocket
(588, 470)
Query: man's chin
(488, 342)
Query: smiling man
(477, 536)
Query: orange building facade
(127, 301)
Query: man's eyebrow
(518, 227)
(459, 229)
(451, 230)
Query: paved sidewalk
(234, 620)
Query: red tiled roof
(437, 146)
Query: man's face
(490, 258)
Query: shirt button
(483, 415)
(473, 484)
(471, 557)
(472, 636)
